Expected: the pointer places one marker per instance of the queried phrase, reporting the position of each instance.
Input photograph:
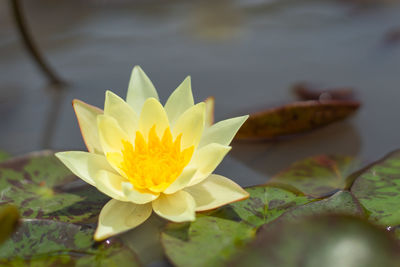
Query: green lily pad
(329, 240)
(342, 202)
(214, 238)
(318, 176)
(378, 190)
(265, 204)
(42, 187)
(52, 243)
(8, 221)
(4, 156)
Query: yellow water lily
(148, 157)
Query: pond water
(247, 54)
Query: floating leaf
(8, 221)
(343, 202)
(52, 243)
(41, 187)
(214, 238)
(4, 156)
(318, 176)
(378, 190)
(265, 204)
(306, 91)
(295, 118)
(329, 240)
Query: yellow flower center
(154, 165)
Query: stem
(30, 44)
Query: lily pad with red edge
(295, 118)
(328, 240)
(42, 187)
(306, 91)
(378, 189)
(318, 176)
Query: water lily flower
(148, 157)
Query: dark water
(245, 53)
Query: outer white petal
(178, 207)
(111, 134)
(110, 184)
(85, 165)
(182, 181)
(86, 115)
(223, 131)
(140, 88)
(153, 113)
(117, 108)
(210, 103)
(190, 124)
(117, 217)
(216, 191)
(179, 101)
(132, 195)
(206, 159)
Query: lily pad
(8, 221)
(329, 240)
(214, 238)
(318, 176)
(294, 118)
(343, 202)
(52, 243)
(4, 156)
(378, 190)
(42, 187)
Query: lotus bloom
(148, 157)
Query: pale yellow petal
(216, 191)
(178, 207)
(85, 165)
(117, 217)
(191, 125)
(111, 134)
(182, 181)
(140, 88)
(223, 131)
(117, 108)
(132, 195)
(206, 159)
(86, 115)
(210, 103)
(179, 101)
(110, 183)
(153, 113)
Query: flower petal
(190, 124)
(117, 108)
(216, 191)
(132, 195)
(210, 103)
(179, 101)
(153, 113)
(110, 184)
(182, 181)
(117, 217)
(140, 88)
(111, 134)
(86, 115)
(178, 207)
(223, 131)
(85, 165)
(206, 159)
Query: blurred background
(245, 53)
